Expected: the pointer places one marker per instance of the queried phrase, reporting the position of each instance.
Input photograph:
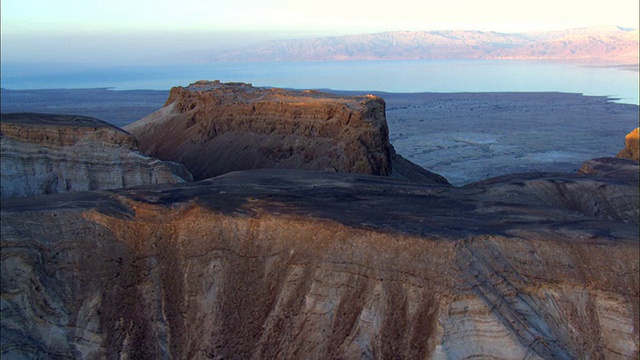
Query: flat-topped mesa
(215, 128)
(44, 153)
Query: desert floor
(465, 137)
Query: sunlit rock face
(43, 154)
(631, 146)
(304, 264)
(215, 128)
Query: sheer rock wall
(631, 146)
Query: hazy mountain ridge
(607, 44)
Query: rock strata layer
(214, 128)
(44, 154)
(301, 264)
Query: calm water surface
(390, 76)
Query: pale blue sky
(83, 28)
(310, 16)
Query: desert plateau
(319, 179)
(465, 137)
(227, 221)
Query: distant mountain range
(605, 44)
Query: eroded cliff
(215, 128)
(43, 154)
(300, 264)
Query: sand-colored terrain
(463, 136)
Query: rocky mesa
(43, 154)
(288, 263)
(214, 128)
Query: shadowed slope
(291, 264)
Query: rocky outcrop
(631, 146)
(302, 264)
(611, 167)
(214, 128)
(44, 154)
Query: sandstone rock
(301, 264)
(631, 146)
(214, 128)
(44, 154)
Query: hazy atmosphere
(125, 32)
(319, 179)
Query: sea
(405, 76)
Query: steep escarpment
(312, 264)
(44, 154)
(214, 128)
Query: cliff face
(214, 128)
(44, 154)
(631, 146)
(300, 264)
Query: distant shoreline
(627, 67)
(447, 76)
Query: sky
(128, 30)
